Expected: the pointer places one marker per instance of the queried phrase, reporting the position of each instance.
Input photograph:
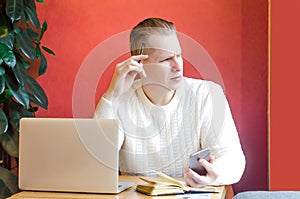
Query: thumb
(207, 165)
(211, 159)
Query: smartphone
(194, 158)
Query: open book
(166, 185)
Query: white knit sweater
(163, 137)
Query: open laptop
(69, 155)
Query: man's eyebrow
(172, 54)
(163, 57)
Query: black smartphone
(194, 158)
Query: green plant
(20, 94)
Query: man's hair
(141, 32)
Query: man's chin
(175, 86)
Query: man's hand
(195, 180)
(124, 76)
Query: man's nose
(176, 64)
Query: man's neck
(159, 95)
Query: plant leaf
(25, 44)
(30, 3)
(32, 16)
(4, 20)
(37, 92)
(36, 102)
(24, 62)
(24, 19)
(4, 191)
(43, 29)
(3, 50)
(7, 55)
(8, 40)
(48, 50)
(20, 72)
(3, 122)
(10, 59)
(3, 31)
(2, 84)
(16, 27)
(8, 183)
(5, 96)
(38, 51)
(32, 33)
(22, 96)
(18, 92)
(43, 65)
(41, 1)
(16, 112)
(10, 142)
(14, 9)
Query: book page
(183, 185)
(169, 179)
(195, 196)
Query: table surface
(129, 193)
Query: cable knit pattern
(163, 137)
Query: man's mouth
(178, 77)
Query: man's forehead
(162, 42)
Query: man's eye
(167, 59)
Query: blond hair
(141, 32)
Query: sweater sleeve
(104, 109)
(220, 135)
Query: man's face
(164, 67)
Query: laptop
(69, 155)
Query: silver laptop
(69, 155)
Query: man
(164, 116)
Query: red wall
(233, 33)
(285, 98)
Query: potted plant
(20, 94)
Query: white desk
(225, 192)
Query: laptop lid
(67, 154)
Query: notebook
(69, 155)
